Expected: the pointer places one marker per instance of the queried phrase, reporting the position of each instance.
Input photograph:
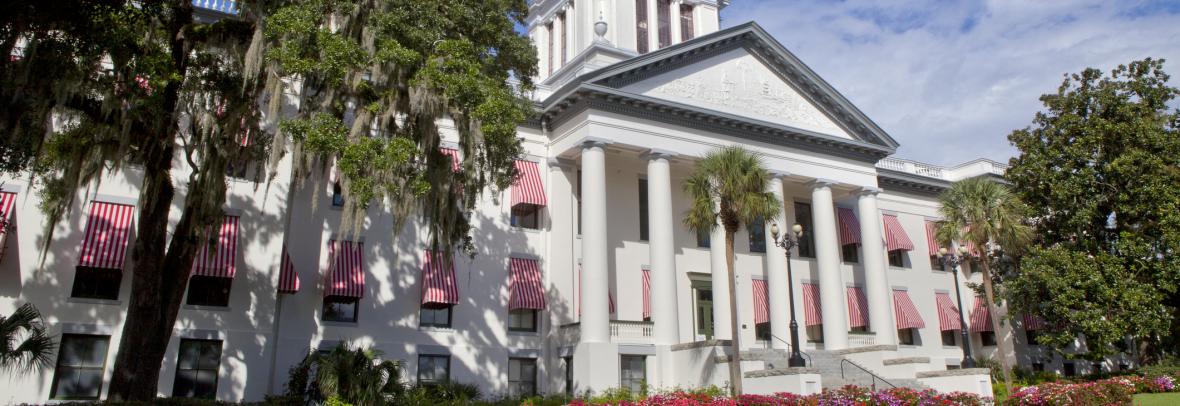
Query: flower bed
(1113, 391)
(848, 395)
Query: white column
(675, 18)
(877, 290)
(653, 26)
(719, 271)
(663, 251)
(776, 274)
(827, 256)
(595, 314)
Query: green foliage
(443, 393)
(24, 345)
(351, 375)
(1100, 167)
(1166, 366)
(735, 178)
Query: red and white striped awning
(858, 307)
(646, 293)
(525, 288)
(7, 203)
(932, 245)
(220, 260)
(811, 309)
(454, 154)
(761, 302)
(1033, 322)
(610, 297)
(948, 313)
(438, 280)
(288, 278)
(895, 236)
(347, 276)
(849, 226)
(528, 188)
(981, 318)
(906, 313)
(104, 245)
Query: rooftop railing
(220, 6)
(966, 170)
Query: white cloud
(950, 80)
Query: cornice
(891, 180)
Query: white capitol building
(584, 277)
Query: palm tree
(354, 375)
(729, 187)
(24, 346)
(984, 213)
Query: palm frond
(24, 345)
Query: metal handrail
(875, 377)
(806, 356)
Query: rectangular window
(435, 316)
(988, 338)
(815, 334)
(641, 26)
(703, 237)
(757, 235)
(762, 331)
(898, 258)
(522, 320)
(522, 377)
(97, 283)
(578, 197)
(935, 263)
(434, 369)
(1038, 367)
(1031, 337)
(209, 291)
(907, 336)
(859, 329)
(664, 16)
(549, 55)
(952, 367)
(643, 210)
(197, 365)
(564, 29)
(81, 360)
(948, 338)
(850, 253)
(526, 216)
(337, 195)
(340, 308)
(1070, 369)
(806, 242)
(632, 372)
(687, 28)
(569, 375)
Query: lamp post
(787, 242)
(947, 258)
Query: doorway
(702, 293)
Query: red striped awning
(971, 248)
(811, 310)
(981, 318)
(858, 307)
(895, 236)
(646, 293)
(288, 278)
(438, 280)
(220, 260)
(7, 203)
(906, 313)
(948, 313)
(610, 297)
(347, 276)
(454, 154)
(1033, 322)
(525, 288)
(849, 226)
(104, 245)
(761, 302)
(932, 245)
(528, 188)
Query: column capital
(776, 174)
(653, 154)
(591, 142)
(562, 163)
(869, 191)
(822, 183)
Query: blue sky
(949, 80)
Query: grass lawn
(1157, 399)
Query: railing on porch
(858, 340)
(621, 331)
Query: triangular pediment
(739, 83)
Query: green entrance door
(703, 296)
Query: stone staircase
(826, 364)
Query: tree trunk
(735, 362)
(1001, 344)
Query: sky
(949, 80)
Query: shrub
(848, 395)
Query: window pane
(513, 370)
(757, 233)
(803, 218)
(210, 355)
(186, 383)
(189, 355)
(643, 210)
(206, 384)
(208, 291)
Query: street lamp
(948, 258)
(787, 242)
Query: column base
(596, 367)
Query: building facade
(584, 277)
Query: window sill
(951, 347)
(522, 333)
(334, 323)
(207, 308)
(86, 300)
(526, 229)
(436, 329)
(899, 268)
